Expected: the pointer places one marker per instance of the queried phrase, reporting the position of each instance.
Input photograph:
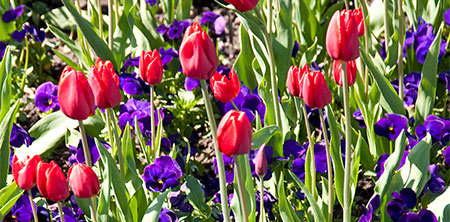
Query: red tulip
(150, 66)
(357, 13)
(198, 56)
(314, 90)
(351, 72)
(225, 87)
(234, 134)
(83, 181)
(75, 96)
(51, 182)
(293, 79)
(105, 84)
(342, 36)
(24, 171)
(243, 5)
(261, 161)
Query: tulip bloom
(198, 56)
(293, 79)
(261, 161)
(314, 90)
(24, 171)
(342, 36)
(75, 95)
(243, 5)
(151, 67)
(51, 182)
(351, 72)
(234, 134)
(225, 87)
(83, 181)
(357, 13)
(105, 84)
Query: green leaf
(5, 134)
(389, 98)
(195, 195)
(285, 212)
(67, 60)
(104, 198)
(264, 135)
(123, 40)
(73, 46)
(50, 131)
(8, 197)
(318, 215)
(183, 9)
(336, 154)
(98, 45)
(241, 66)
(5, 83)
(427, 88)
(283, 41)
(154, 209)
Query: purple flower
(401, 203)
(22, 211)
(383, 53)
(217, 20)
(411, 86)
(69, 215)
(190, 83)
(391, 126)
(130, 84)
(291, 147)
(130, 62)
(447, 17)
(269, 200)
(371, 209)
(151, 2)
(162, 174)
(18, 35)
(19, 137)
(13, 14)
(167, 56)
(2, 49)
(298, 168)
(438, 127)
(167, 215)
(174, 30)
(229, 165)
(379, 169)
(359, 118)
(445, 78)
(38, 34)
(178, 199)
(295, 49)
(47, 97)
(250, 103)
(138, 110)
(424, 38)
(436, 184)
(446, 154)
(314, 117)
(78, 152)
(298, 165)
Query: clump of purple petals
(167, 215)
(228, 162)
(400, 204)
(437, 127)
(215, 20)
(372, 207)
(298, 165)
(423, 38)
(379, 169)
(130, 62)
(436, 184)
(167, 56)
(37, 34)
(2, 49)
(47, 97)
(250, 103)
(174, 30)
(446, 154)
(391, 126)
(411, 87)
(295, 49)
(447, 17)
(13, 14)
(359, 118)
(131, 84)
(138, 110)
(164, 173)
(269, 200)
(151, 2)
(445, 78)
(179, 200)
(78, 152)
(19, 137)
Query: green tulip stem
(111, 117)
(386, 27)
(329, 167)
(100, 18)
(86, 151)
(30, 196)
(24, 76)
(110, 133)
(348, 145)
(234, 105)
(93, 208)
(116, 11)
(311, 148)
(61, 213)
(400, 48)
(152, 121)
(297, 138)
(262, 217)
(241, 190)
(347, 6)
(366, 49)
(220, 166)
(111, 24)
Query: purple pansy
(447, 17)
(298, 165)
(445, 78)
(138, 110)
(18, 35)
(250, 103)
(446, 154)
(47, 97)
(130, 62)
(269, 200)
(167, 56)
(391, 126)
(131, 84)
(438, 127)
(424, 38)
(228, 162)
(19, 137)
(379, 169)
(372, 207)
(401, 203)
(21, 211)
(174, 30)
(410, 86)
(69, 215)
(295, 49)
(38, 34)
(78, 152)
(167, 215)
(359, 118)
(2, 49)
(151, 2)
(436, 184)
(13, 14)
(291, 147)
(162, 174)
(179, 200)
(190, 83)
(216, 20)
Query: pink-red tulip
(261, 161)
(225, 87)
(351, 72)
(150, 66)
(357, 13)
(342, 36)
(243, 5)
(24, 171)
(314, 90)
(198, 55)
(83, 181)
(104, 83)
(234, 134)
(51, 182)
(293, 79)
(75, 95)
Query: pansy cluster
(437, 127)
(399, 208)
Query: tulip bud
(314, 90)
(225, 87)
(351, 72)
(83, 181)
(75, 95)
(293, 79)
(51, 182)
(243, 5)
(105, 84)
(261, 161)
(24, 171)
(342, 36)
(151, 67)
(198, 56)
(357, 13)
(234, 134)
